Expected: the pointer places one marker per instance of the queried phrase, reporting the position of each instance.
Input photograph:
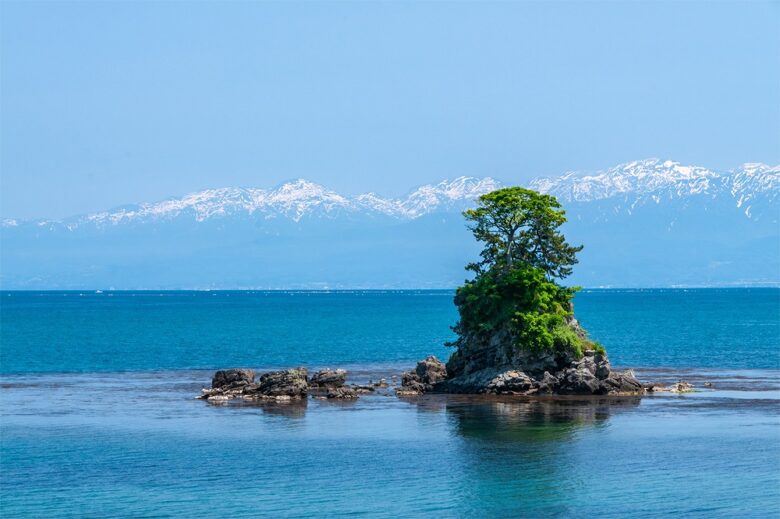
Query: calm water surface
(97, 417)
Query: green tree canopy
(521, 225)
(514, 293)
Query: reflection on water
(523, 453)
(533, 420)
(518, 456)
(295, 409)
(511, 418)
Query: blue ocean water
(97, 416)
(129, 331)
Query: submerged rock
(678, 387)
(682, 387)
(342, 393)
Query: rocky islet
(546, 374)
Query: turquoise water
(97, 417)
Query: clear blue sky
(105, 103)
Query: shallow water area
(94, 444)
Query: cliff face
(494, 364)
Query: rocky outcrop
(363, 390)
(229, 377)
(429, 374)
(529, 373)
(328, 378)
(491, 363)
(289, 384)
(495, 352)
(546, 385)
(510, 382)
(490, 370)
(593, 375)
(342, 393)
(678, 387)
(228, 384)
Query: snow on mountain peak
(652, 180)
(631, 183)
(299, 197)
(466, 187)
(296, 199)
(755, 176)
(660, 178)
(446, 194)
(758, 168)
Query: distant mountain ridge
(294, 200)
(650, 179)
(644, 223)
(654, 179)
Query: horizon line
(327, 290)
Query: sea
(98, 416)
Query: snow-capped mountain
(627, 185)
(638, 178)
(654, 180)
(644, 223)
(446, 195)
(293, 200)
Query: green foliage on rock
(514, 291)
(518, 225)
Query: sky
(107, 103)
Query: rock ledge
(546, 373)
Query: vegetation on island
(515, 288)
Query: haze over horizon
(644, 223)
(112, 103)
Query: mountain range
(646, 223)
